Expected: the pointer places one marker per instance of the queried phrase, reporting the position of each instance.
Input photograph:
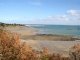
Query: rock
(78, 28)
(70, 29)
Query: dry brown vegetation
(12, 49)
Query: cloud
(73, 12)
(53, 18)
(32, 17)
(59, 18)
(35, 2)
(56, 18)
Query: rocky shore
(52, 37)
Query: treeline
(7, 24)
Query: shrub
(12, 49)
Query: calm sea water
(58, 29)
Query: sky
(60, 12)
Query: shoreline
(55, 43)
(28, 33)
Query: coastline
(28, 33)
(54, 43)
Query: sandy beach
(54, 43)
(22, 30)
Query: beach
(54, 43)
(21, 30)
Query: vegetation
(5, 24)
(12, 49)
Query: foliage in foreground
(12, 49)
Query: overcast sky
(64, 12)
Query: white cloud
(35, 3)
(53, 18)
(73, 12)
(32, 17)
(58, 18)
(48, 16)
(78, 18)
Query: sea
(72, 30)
